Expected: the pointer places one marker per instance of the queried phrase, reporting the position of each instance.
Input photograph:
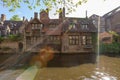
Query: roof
(112, 12)
(56, 31)
(13, 24)
(104, 35)
(79, 25)
(54, 21)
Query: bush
(14, 37)
(110, 48)
(1, 39)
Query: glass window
(73, 40)
(89, 40)
(84, 26)
(84, 40)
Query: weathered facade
(64, 35)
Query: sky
(99, 7)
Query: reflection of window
(73, 40)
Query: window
(89, 40)
(84, 26)
(54, 38)
(37, 26)
(86, 40)
(73, 40)
(72, 26)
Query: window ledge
(88, 46)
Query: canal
(108, 69)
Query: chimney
(23, 18)
(35, 15)
(3, 17)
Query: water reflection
(109, 69)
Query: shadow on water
(69, 60)
(59, 60)
(117, 55)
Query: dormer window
(72, 26)
(84, 26)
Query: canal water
(109, 69)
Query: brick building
(8, 27)
(64, 35)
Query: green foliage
(94, 41)
(1, 39)
(94, 38)
(110, 48)
(114, 33)
(14, 37)
(32, 4)
(15, 18)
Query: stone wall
(9, 47)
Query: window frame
(73, 39)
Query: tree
(15, 18)
(70, 5)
